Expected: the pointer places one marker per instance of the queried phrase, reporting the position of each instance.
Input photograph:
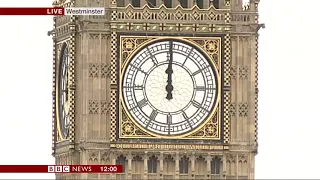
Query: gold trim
(169, 146)
(60, 137)
(183, 39)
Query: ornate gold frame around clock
(211, 128)
(71, 99)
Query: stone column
(113, 161)
(208, 159)
(145, 165)
(129, 157)
(224, 166)
(237, 166)
(192, 159)
(177, 158)
(161, 162)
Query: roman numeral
(184, 115)
(138, 87)
(199, 71)
(187, 57)
(153, 58)
(169, 119)
(196, 104)
(153, 114)
(135, 87)
(203, 88)
(137, 68)
(142, 103)
(186, 118)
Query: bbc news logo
(58, 169)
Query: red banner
(60, 169)
(31, 11)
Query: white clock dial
(169, 88)
(63, 93)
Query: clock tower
(166, 88)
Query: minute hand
(169, 71)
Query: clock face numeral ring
(63, 92)
(169, 87)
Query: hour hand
(169, 89)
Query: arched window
(200, 3)
(121, 160)
(215, 165)
(152, 164)
(152, 3)
(135, 3)
(137, 164)
(201, 165)
(167, 3)
(184, 165)
(120, 3)
(169, 165)
(216, 4)
(184, 3)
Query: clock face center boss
(169, 87)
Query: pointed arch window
(215, 165)
(120, 3)
(121, 160)
(167, 3)
(152, 3)
(152, 164)
(169, 164)
(184, 165)
(200, 3)
(216, 4)
(135, 3)
(184, 3)
(137, 164)
(201, 165)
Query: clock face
(169, 88)
(63, 93)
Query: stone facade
(93, 43)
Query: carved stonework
(210, 130)
(233, 109)
(212, 47)
(99, 70)
(93, 145)
(130, 44)
(99, 107)
(230, 158)
(243, 158)
(94, 70)
(105, 158)
(105, 107)
(243, 109)
(105, 70)
(93, 157)
(163, 13)
(233, 72)
(152, 146)
(243, 72)
(240, 148)
(129, 129)
(94, 36)
(94, 107)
